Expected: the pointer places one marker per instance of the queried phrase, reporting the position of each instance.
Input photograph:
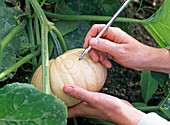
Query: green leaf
(0, 53)
(138, 104)
(162, 79)
(165, 106)
(158, 25)
(10, 87)
(65, 27)
(101, 122)
(7, 23)
(10, 1)
(52, 1)
(168, 47)
(148, 86)
(75, 39)
(106, 7)
(2, 2)
(23, 104)
(8, 59)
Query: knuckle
(120, 37)
(119, 29)
(101, 57)
(122, 51)
(95, 99)
(95, 26)
(98, 26)
(119, 34)
(105, 44)
(79, 94)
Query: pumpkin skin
(68, 69)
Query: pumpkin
(68, 69)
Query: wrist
(131, 116)
(160, 60)
(126, 115)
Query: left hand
(102, 106)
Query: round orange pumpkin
(68, 69)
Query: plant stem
(30, 32)
(12, 34)
(21, 15)
(45, 58)
(57, 47)
(44, 45)
(148, 108)
(37, 31)
(50, 46)
(60, 37)
(42, 3)
(92, 18)
(38, 10)
(98, 121)
(75, 121)
(37, 35)
(19, 63)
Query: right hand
(122, 48)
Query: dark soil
(121, 82)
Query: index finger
(95, 29)
(113, 34)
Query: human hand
(102, 106)
(117, 45)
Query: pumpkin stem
(57, 46)
(91, 18)
(44, 45)
(30, 33)
(60, 37)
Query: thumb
(103, 45)
(78, 92)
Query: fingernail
(93, 42)
(68, 89)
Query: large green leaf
(158, 25)
(65, 27)
(95, 7)
(148, 85)
(14, 48)
(23, 104)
